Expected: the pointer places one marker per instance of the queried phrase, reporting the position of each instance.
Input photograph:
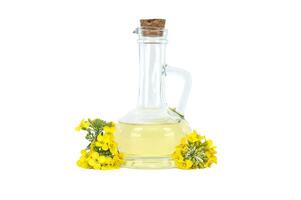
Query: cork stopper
(152, 27)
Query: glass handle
(186, 77)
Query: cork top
(152, 27)
(152, 23)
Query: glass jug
(149, 134)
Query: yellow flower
(97, 166)
(109, 130)
(99, 138)
(97, 161)
(120, 156)
(208, 154)
(194, 151)
(113, 148)
(188, 164)
(102, 159)
(110, 163)
(184, 164)
(82, 125)
(180, 147)
(213, 159)
(107, 138)
(210, 161)
(92, 145)
(84, 152)
(209, 143)
(194, 137)
(177, 156)
(103, 141)
(82, 162)
(109, 160)
(118, 160)
(107, 163)
(95, 157)
(98, 144)
(105, 147)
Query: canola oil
(149, 145)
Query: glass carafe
(149, 134)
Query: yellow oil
(149, 145)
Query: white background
(61, 61)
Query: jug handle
(185, 75)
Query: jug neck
(151, 79)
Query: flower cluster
(195, 151)
(102, 151)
